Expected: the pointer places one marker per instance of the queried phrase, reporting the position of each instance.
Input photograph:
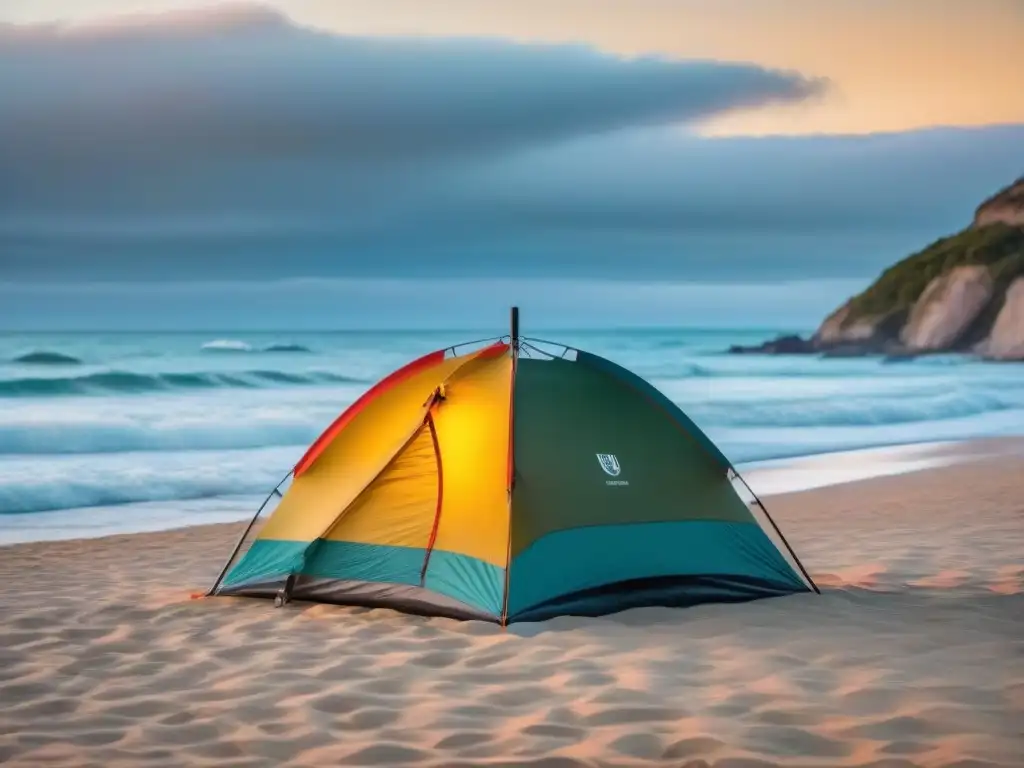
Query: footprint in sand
(555, 731)
(691, 748)
(519, 697)
(645, 746)
(794, 743)
(367, 719)
(463, 740)
(435, 659)
(338, 703)
(386, 755)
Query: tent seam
(440, 499)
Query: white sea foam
(227, 345)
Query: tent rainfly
(512, 483)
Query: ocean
(115, 432)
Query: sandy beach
(912, 656)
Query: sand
(912, 656)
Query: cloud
(814, 185)
(644, 206)
(229, 91)
(236, 146)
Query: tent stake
(782, 536)
(245, 533)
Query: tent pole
(511, 479)
(782, 536)
(245, 533)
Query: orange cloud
(895, 64)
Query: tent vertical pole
(511, 480)
(245, 533)
(782, 536)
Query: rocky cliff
(946, 310)
(963, 293)
(1004, 207)
(1006, 339)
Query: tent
(513, 483)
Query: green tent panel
(667, 529)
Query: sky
(359, 163)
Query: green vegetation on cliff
(998, 246)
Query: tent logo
(609, 464)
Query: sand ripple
(913, 658)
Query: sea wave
(57, 428)
(669, 371)
(78, 496)
(30, 486)
(235, 345)
(226, 345)
(288, 348)
(45, 357)
(126, 382)
(855, 411)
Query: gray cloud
(812, 185)
(238, 147)
(648, 205)
(226, 93)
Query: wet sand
(912, 656)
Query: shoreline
(776, 477)
(768, 478)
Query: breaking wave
(74, 482)
(855, 411)
(64, 427)
(226, 345)
(123, 382)
(234, 345)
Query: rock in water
(946, 309)
(784, 345)
(1006, 341)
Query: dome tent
(513, 483)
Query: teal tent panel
(356, 561)
(466, 579)
(666, 563)
(267, 560)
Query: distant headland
(962, 294)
